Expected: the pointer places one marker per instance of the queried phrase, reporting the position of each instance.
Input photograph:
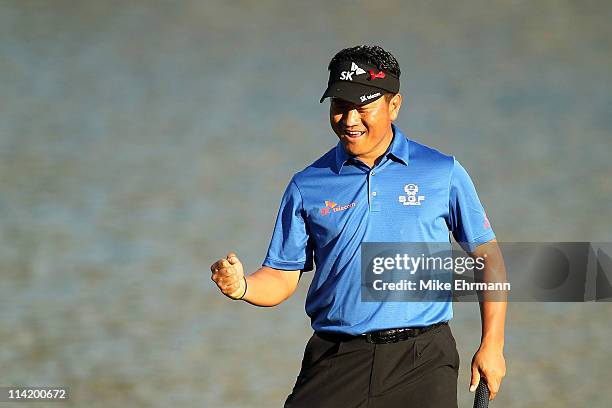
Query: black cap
(359, 83)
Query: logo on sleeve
(411, 197)
(348, 75)
(486, 224)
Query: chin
(354, 152)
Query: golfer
(375, 185)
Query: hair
(369, 54)
(372, 55)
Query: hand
(489, 363)
(228, 274)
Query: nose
(351, 118)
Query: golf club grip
(481, 399)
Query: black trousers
(351, 373)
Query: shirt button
(372, 173)
(374, 193)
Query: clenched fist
(228, 274)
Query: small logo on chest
(330, 206)
(411, 197)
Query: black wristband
(246, 286)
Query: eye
(339, 105)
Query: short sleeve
(467, 219)
(289, 247)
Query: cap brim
(353, 92)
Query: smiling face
(365, 130)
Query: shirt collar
(398, 149)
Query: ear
(394, 106)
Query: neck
(374, 156)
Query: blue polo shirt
(415, 194)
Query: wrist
(492, 343)
(246, 286)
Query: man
(355, 357)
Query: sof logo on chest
(411, 197)
(331, 207)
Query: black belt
(383, 336)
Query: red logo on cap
(381, 75)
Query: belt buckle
(378, 338)
(397, 335)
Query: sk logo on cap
(348, 75)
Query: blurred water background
(140, 141)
